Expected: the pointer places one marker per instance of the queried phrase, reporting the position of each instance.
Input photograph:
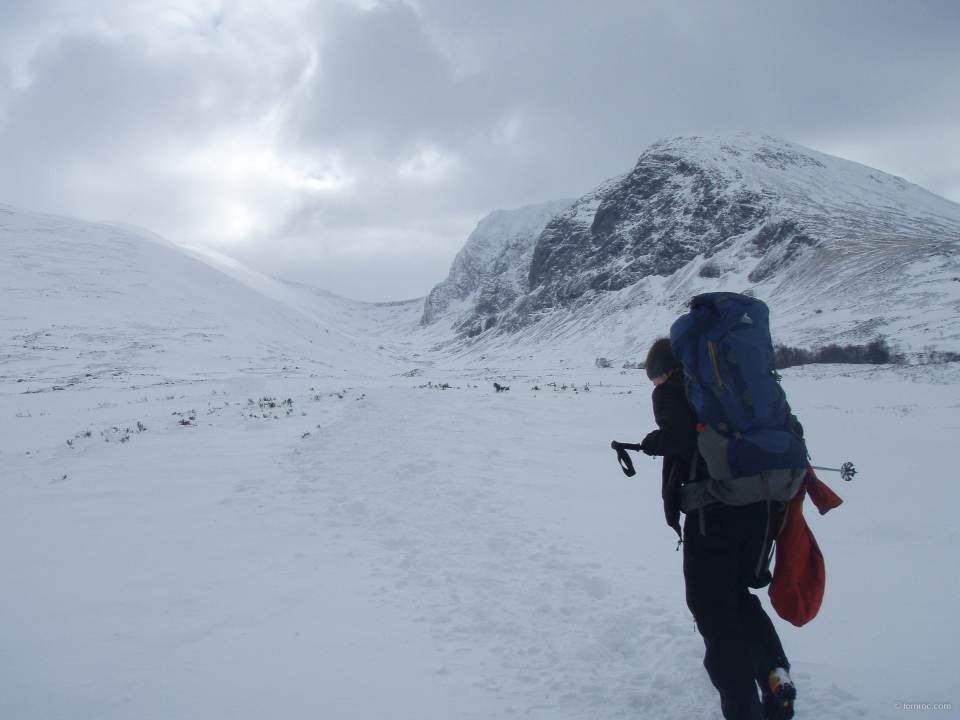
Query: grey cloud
(99, 128)
(379, 84)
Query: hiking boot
(778, 701)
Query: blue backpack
(751, 443)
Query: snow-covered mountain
(491, 270)
(840, 251)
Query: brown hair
(659, 347)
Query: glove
(649, 444)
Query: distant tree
(876, 352)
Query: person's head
(660, 361)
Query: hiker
(721, 547)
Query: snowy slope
(841, 252)
(383, 326)
(83, 303)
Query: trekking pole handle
(626, 464)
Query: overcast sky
(354, 144)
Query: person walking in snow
(721, 545)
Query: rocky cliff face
(734, 212)
(490, 274)
(730, 203)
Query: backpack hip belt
(773, 485)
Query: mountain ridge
(746, 213)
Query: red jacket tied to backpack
(799, 576)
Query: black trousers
(719, 568)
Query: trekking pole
(847, 471)
(626, 464)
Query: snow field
(171, 576)
(436, 553)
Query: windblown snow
(230, 496)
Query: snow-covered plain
(220, 502)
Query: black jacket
(676, 440)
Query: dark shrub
(876, 352)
